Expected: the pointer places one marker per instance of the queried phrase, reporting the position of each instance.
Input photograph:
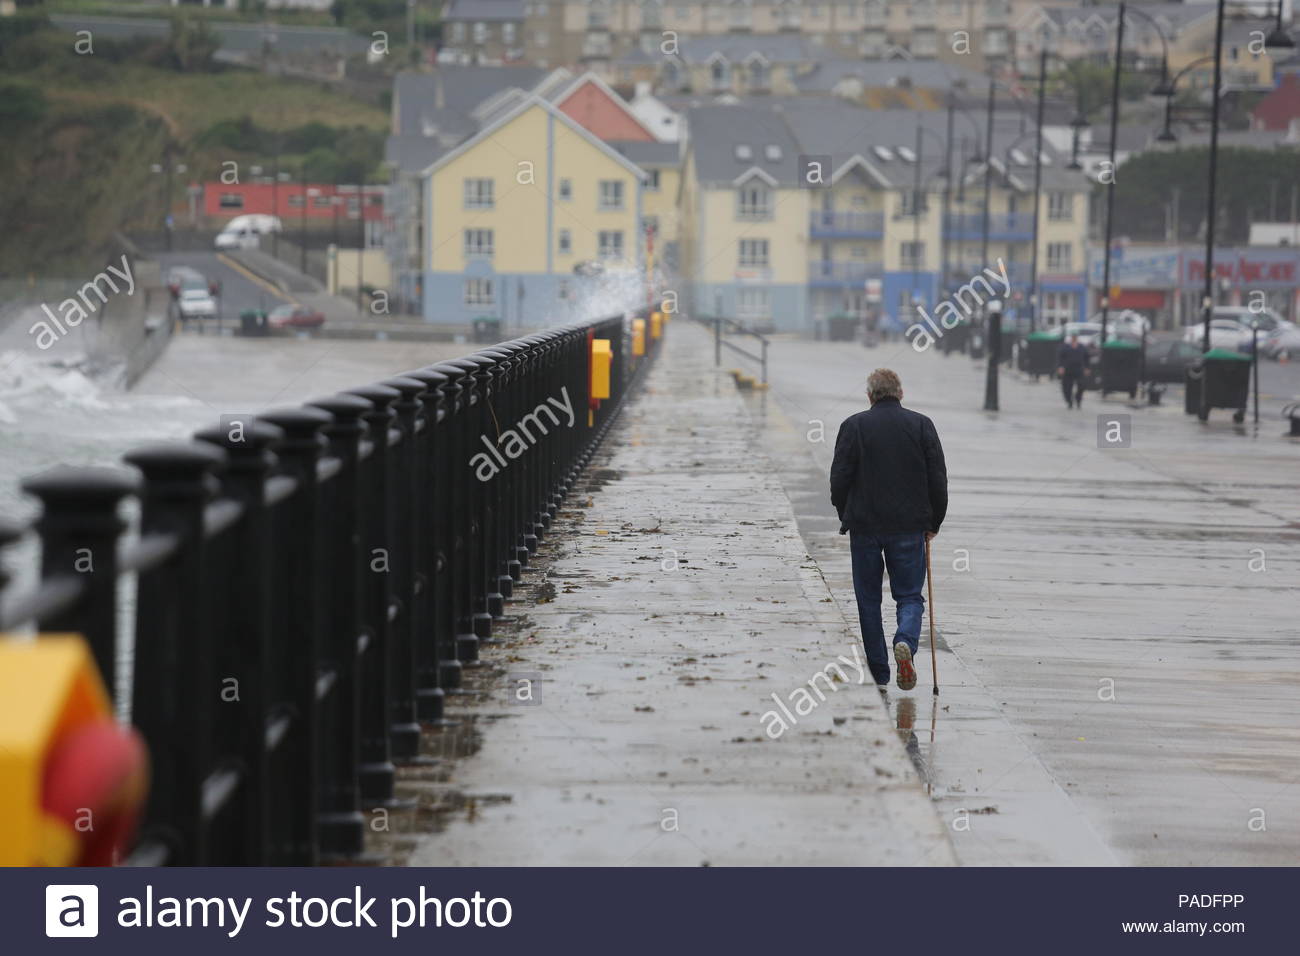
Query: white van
(245, 232)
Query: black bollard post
(408, 506)
(176, 691)
(79, 528)
(428, 542)
(377, 771)
(341, 824)
(297, 622)
(243, 648)
(457, 642)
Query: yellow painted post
(638, 337)
(51, 695)
(656, 324)
(602, 357)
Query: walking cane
(929, 583)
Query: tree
(21, 106)
(1088, 84)
(191, 45)
(1250, 180)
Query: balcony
(823, 273)
(1002, 225)
(846, 225)
(1018, 274)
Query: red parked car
(295, 317)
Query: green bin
(487, 330)
(1121, 367)
(1040, 351)
(252, 322)
(1221, 379)
(842, 328)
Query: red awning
(1139, 299)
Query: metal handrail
(257, 562)
(719, 342)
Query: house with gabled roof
(533, 219)
(801, 208)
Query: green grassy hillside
(80, 133)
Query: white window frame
(479, 244)
(480, 193)
(609, 244)
(479, 291)
(924, 42)
(754, 202)
(911, 255)
(609, 195)
(1060, 206)
(1060, 257)
(753, 254)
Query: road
(240, 38)
(240, 289)
(1118, 653)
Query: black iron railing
(309, 583)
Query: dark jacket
(888, 476)
(1072, 358)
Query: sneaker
(906, 672)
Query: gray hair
(884, 383)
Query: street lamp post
(1207, 303)
(1110, 170)
(1034, 297)
(167, 167)
(919, 205)
(275, 199)
(947, 199)
(994, 316)
(1163, 88)
(361, 245)
(302, 218)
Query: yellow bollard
(638, 336)
(656, 324)
(602, 356)
(71, 780)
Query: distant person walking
(1072, 366)
(889, 485)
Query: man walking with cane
(889, 485)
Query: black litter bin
(1040, 351)
(842, 328)
(1121, 367)
(487, 330)
(252, 322)
(1224, 378)
(1007, 338)
(955, 338)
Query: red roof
(1276, 110)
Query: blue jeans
(904, 556)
